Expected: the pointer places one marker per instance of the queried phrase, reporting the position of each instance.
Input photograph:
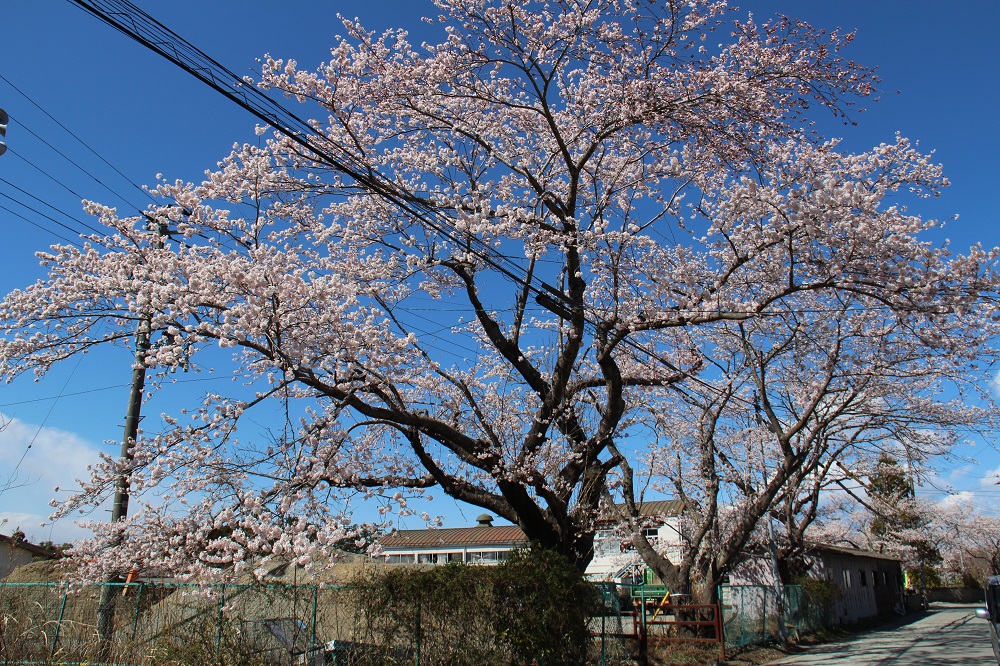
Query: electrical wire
(79, 167)
(45, 203)
(74, 163)
(81, 141)
(131, 21)
(13, 475)
(147, 31)
(11, 151)
(43, 228)
(38, 212)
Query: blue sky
(145, 116)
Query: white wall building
(869, 584)
(615, 558)
(614, 555)
(482, 544)
(15, 551)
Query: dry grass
(683, 654)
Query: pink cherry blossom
(697, 244)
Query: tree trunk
(705, 591)
(791, 568)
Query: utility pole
(119, 510)
(779, 586)
(772, 546)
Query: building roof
(36, 551)
(499, 535)
(855, 552)
(490, 535)
(648, 510)
(661, 508)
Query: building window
(399, 559)
(487, 557)
(604, 542)
(847, 578)
(874, 579)
(862, 578)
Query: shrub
(545, 604)
(534, 606)
(818, 597)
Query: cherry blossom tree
(970, 542)
(811, 395)
(564, 227)
(951, 541)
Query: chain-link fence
(151, 623)
(753, 614)
(309, 625)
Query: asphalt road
(946, 635)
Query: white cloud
(992, 478)
(957, 499)
(55, 458)
(957, 474)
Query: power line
(74, 163)
(107, 388)
(47, 175)
(38, 212)
(61, 395)
(45, 203)
(13, 474)
(35, 224)
(133, 22)
(130, 20)
(147, 31)
(87, 172)
(81, 141)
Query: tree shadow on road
(895, 641)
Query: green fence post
(644, 635)
(62, 609)
(742, 613)
(138, 600)
(721, 617)
(642, 602)
(312, 639)
(222, 603)
(763, 617)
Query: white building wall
(613, 553)
(868, 586)
(470, 554)
(12, 557)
